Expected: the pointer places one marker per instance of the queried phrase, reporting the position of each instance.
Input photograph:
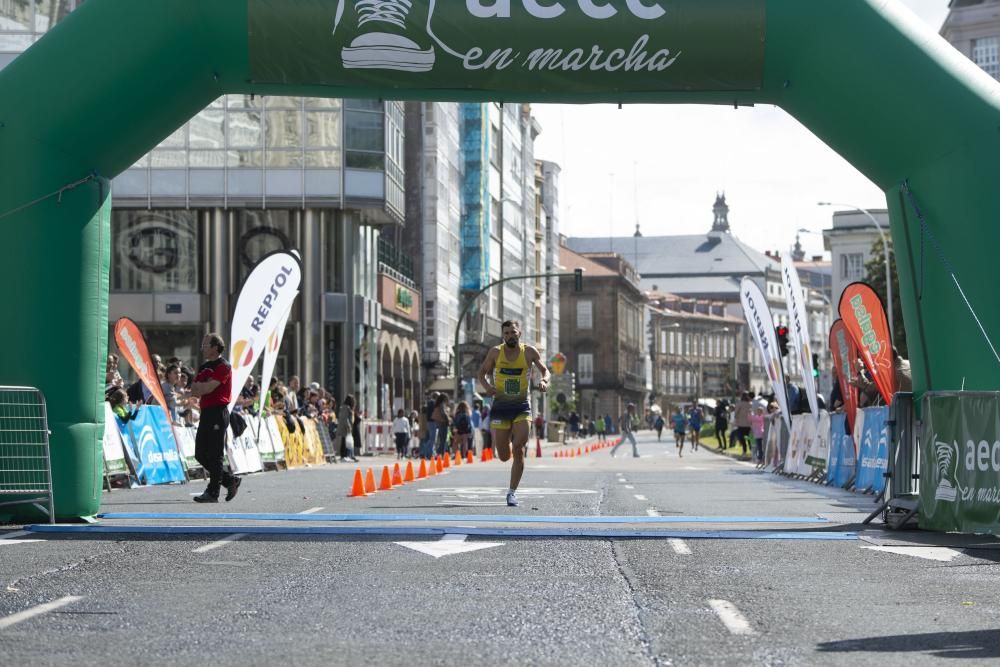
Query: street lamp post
(885, 248)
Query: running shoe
(511, 499)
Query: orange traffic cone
(578, 452)
(408, 476)
(397, 476)
(370, 481)
(438, 465)
(484, 457)
(458, 457)
(385, 484)
(447, 461)
(358, 488)
(469, 458)
(490, 457)
(587, 450)
(432, 467)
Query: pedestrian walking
(721, 422)
(601, 429)
(213, 385)
(401, 431)
(462, 427)
(741, 417)
(658, 424)
(505, 374)
(626, 429)
(441, 418)
(345, 429)
(757, 428)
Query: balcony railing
(391, 257)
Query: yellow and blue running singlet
(511, 404)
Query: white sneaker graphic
(385, 41)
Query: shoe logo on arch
(387, 36)
(398, 35)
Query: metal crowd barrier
(901, 501)
(25, 467)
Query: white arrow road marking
(448, 546)
(629, 486)
(640, 497)
(652, 512)
(680, 547)
(311, 510)
(14, 619)
(731, 617)
(942, 554)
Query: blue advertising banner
(873, 452)
(152, 445)
(842, 459)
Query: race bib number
(512, 387)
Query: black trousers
(210, 446)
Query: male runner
(505, 375)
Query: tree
(875, 276)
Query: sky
(663, 165)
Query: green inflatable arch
(116, 77)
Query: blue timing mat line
(420, 531)
(484, 518)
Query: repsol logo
(549, 9)
(269, 300)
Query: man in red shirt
(214, 386)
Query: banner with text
(270, 359)
(845, 363)
(758, 316)
(799, 326)
(562, 47)
(864, 316)
(873, 450)
(960, 466)
(264, 301)
(114, 444)
(842, 460)
(153, 444)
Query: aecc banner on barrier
(960, 466)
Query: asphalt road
(671, 599)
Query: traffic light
(578, 280)
(815, 365)
(782, 333)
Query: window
(852, 266)
(663, 342)
(585, 369)
(673, 348)
(584, 314)
(984, 54)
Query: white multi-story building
(973, 27)
(478, 211)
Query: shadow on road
(974, 644)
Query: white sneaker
(511, 499)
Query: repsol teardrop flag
(761, 323)
(864, 316)
(132, 345)
(271, 357)
(266, 296)
(845, 358)
(799, 324)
